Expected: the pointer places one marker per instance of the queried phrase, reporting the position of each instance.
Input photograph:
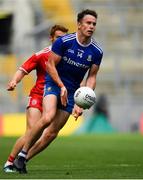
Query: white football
(84, 97)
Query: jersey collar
(83, 44)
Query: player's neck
(83, 39)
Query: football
(84, 97)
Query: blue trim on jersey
(76, 59)
(94, 43)
(68, 37)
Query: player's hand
(11, 85)
(64, 96)
(77, 111)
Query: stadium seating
(60, 12)
(120, 33)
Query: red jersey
(37, 62)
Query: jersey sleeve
(58, 47)
(98, 58)
(30, 64)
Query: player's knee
(29, 127)
(54, 135)
(47, 119)
(48, 138)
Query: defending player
(72, 55)
(34, 109)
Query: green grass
(116, 156)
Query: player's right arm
(57, 52)
(23, 70)
(53, 60)
(15, 80)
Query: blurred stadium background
(24, 29)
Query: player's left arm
(90, 82)
(91, 78)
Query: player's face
(57, 34)
(87, 25)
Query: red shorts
(35, 101)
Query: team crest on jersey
(89, 58)
(34, 102)
(49, 89)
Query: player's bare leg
(32, 115)
(49, 133)
(49, 111)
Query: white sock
(8, 163)
(23, 154)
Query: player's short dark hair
(57, 27)
(81, 15)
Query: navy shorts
(52, 88)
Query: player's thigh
(49, 106)
(32, 116)
(59, 120)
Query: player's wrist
(61, 85)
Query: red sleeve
(30, 64)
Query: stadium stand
(61, 12)
(120, 33)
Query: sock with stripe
(9, 161)
(22, 154)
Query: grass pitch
(109, 156)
